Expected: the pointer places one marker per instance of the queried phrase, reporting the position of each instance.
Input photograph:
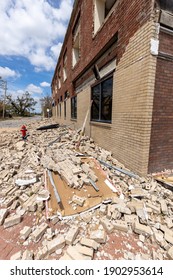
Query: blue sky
(31, 36)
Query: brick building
(116, 63)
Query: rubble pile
(143, 209)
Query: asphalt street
(17, 122)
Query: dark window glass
(60, 110)
(108, 6)
(65, 109)
(74, 107)
(106, 108)
(96, 101)
(101, 95)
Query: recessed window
(65, 105)
(74, 107)
(59, 77)
(60, 109)
(65, 110)
(76, 42)
(101, 94)
(65, 66)
(101, 10)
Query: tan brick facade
(132, 101)
(133, 42)
(128, 136)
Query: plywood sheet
(92, 197)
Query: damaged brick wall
(125, 19)
(128, 137)
(161, 149)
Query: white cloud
(33, 29)
(6, 72)
(44, 84)
(33, 89)
(55, 50)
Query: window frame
(101, 13)
(74, 107)
(65, 66)
(76, 41)
(100, 84)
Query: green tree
(22, 105)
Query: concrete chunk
(85, 250)
(130, 219)
(25, 232)
(3, 215)
(93, 177)
(142, 229)
(8, 201)
(17, 256)
(27, 255)
(78, 200)
(108, 226)
(98, 235)
(170, 253)
(11, 221)
(57, 243)
(23, 198)
(89, 243)
(86, 168)
(29, 202)
(155, 208)
(168, 238)
(38, 233)
(71, 235)
(41, 253)
(74, 254)
(164, 207)
(5, 191)
(121, 225)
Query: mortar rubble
(137, 224)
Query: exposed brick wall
(125, 19)
(128, 137)
(161, 147)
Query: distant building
(119, 54)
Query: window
(60, 109)
(76, 42)
(101, 94)
(74, 107)
(65, 106)
(65, 66)
(101, 10)
(59, 78)
(65, 110)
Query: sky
(31, 36)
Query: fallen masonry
(11, 221)
(135, 209)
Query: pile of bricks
(144, 208)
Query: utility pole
(3, 84)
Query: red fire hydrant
(24, 130)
